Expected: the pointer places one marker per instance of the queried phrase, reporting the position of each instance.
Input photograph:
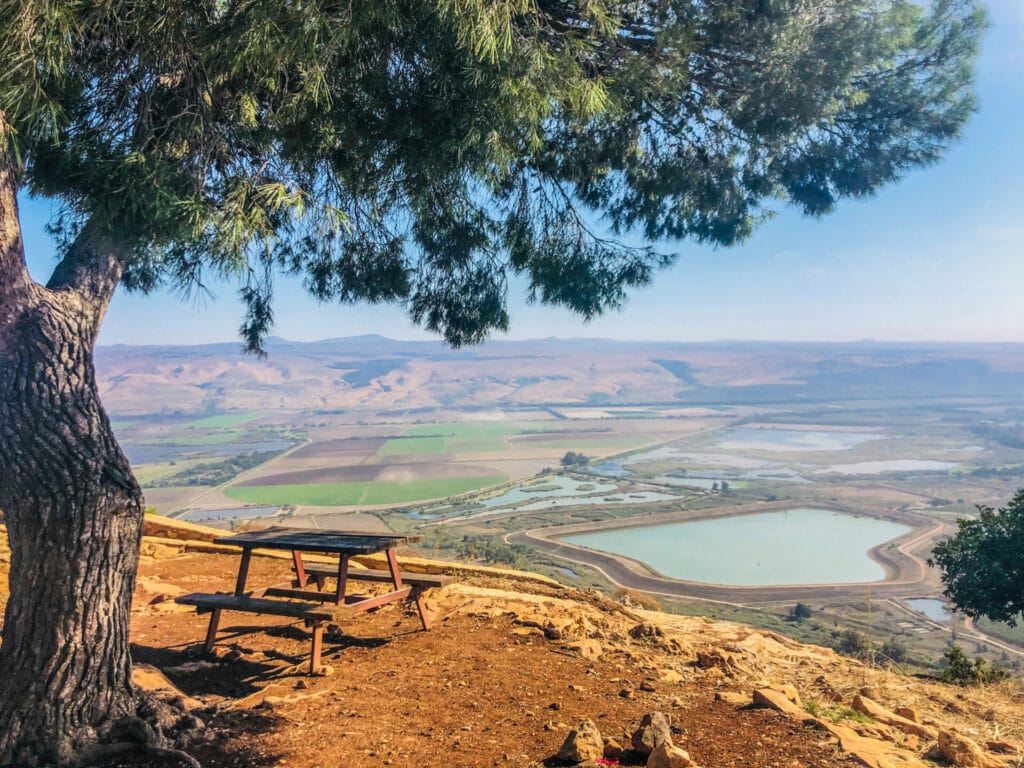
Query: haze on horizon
(936, 257)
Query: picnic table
(319, 605)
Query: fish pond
(797, 546)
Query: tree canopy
(981, 565)
(422, 152)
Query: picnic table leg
(243, 572)
(211, 632)
(342, 579)
(396, 575)
(421, 608)
(417, 592)
(300, 569)
(318, 647)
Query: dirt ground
(473, 691)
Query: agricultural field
(366, 460)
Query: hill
(380, 374)
(514, 664)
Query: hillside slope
(375, 373)
(515, 662)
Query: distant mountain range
(376, 373)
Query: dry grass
(633, 597)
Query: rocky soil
(519, 671)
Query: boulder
(908, 713)
(962, 751)
(654, 731)
(667, 755)
(612, 749)
(773, 699)
(733, 697)
(583, 744)
(875, 710)
(586, 649)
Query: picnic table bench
(318, 607)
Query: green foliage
(492, 550)
(982, 570)
(799, 612)
(215, 472)
(574, 459)
(424, 153)
(894, 649)
(852, 642)
(960, 670)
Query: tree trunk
(74, 525)
(73, 511)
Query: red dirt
(365, 446)
(471, 692)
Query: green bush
(960, 670)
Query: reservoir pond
(797, 546)
(934, 609)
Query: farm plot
(364, 493)
(429, 461)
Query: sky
(935, 257)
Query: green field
(223, 421)
(479, 436)
(587, 442)
(351, 494)
(412, 446)
(151, 473)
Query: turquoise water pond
(797, 546)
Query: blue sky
(937, 257)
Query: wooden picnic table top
(317, 540)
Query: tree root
(158, 728)
(103, 751)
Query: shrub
(894, 650)
(799, 612)
(960, 670)
(852, 642)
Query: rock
(911, 742)
(1002, 747)
(553, 633)
(711, 659)
(908, 713)
(648, 686)
(582, 744)
(962, 751)
(646, 630)
(869, 692)
(654, 730)
(149, 678)
(667, 755)
(677, 702)
(875, 710)
(586, 649)
(670, 676)
(870, 752)
(773, 699)
(732, 697)
(612, 749)
(788, 691)
(627, 693)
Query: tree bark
(72, 507)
